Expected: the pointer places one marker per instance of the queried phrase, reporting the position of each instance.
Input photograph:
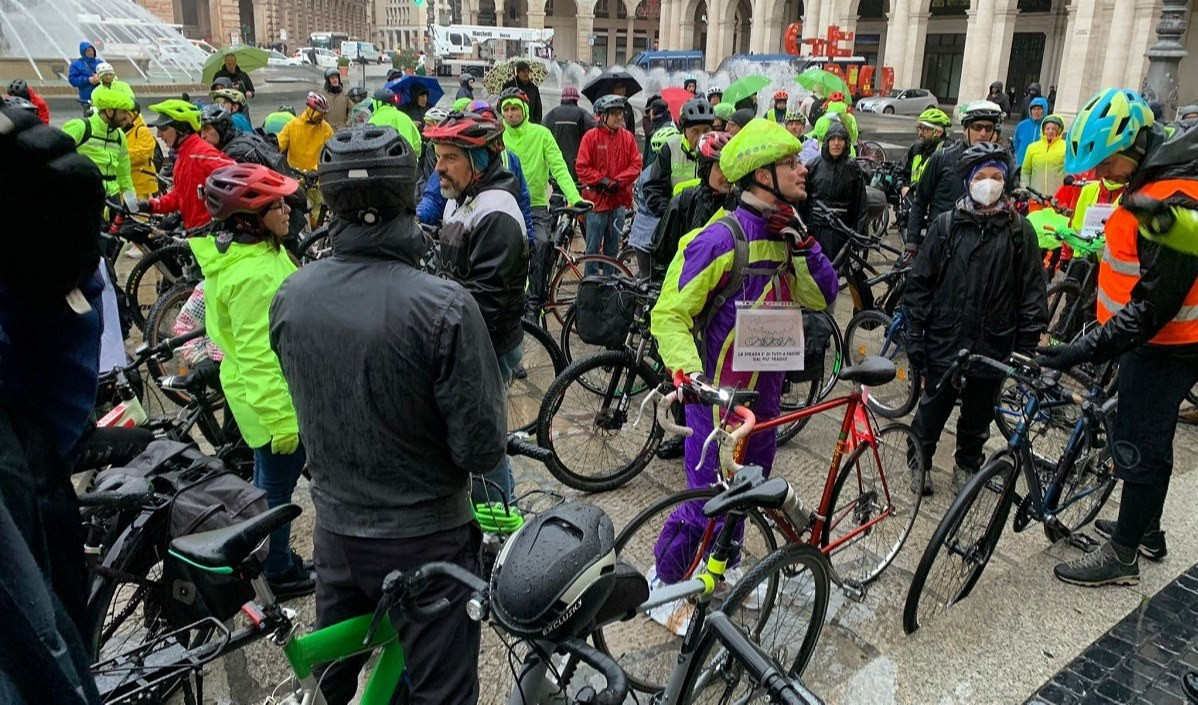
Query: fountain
(41, 33)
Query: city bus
(327, 40)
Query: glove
(143, 207)
(584, 202)
(1062, 357)
(784, 217)
(131, 201)
(1156, 216)
(917, 352)
(607, 185)
(284, 444)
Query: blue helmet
(1108, 124)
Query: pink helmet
(318, 102)
(570, 93)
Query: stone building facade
(222, 22)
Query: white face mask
(985, 192)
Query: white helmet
(104, 67)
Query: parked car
(901, 101)
(275, 58)
(325, 58)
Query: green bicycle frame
(344, 640)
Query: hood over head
(83, 47)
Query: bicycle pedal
(854, 590)
(1083, 542)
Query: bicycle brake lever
(391, 585)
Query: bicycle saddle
(229, 546)
(749, 489)
(872, 371)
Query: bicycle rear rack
(159, 665)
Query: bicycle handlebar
(694, 391)
(613, 675)
(1024, 369)
(759, 666)
(166, 347)
(517, 444)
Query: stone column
(1003, 31)
(586, 27)
(631, 50)
(917, 37)
(757, 26)
(664, 12)
(1118, 49)
(499, 13)
(895, 55)
(686, 32)
(1082, 50)
(811, 10)
(1165, 56)
(978, 48)
(536, 15)
(1147, 12)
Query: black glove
(1062, 357)
(606, 185)
(917, 352)
(1155, 214)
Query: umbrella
(675, 97)
(744, 88)
(248, 59)
(605, 83)
(822, 83)
(404, 87)
(504, 71)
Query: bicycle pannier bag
(603, 311)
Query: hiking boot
(915, 486)
(961, 477)
(1100, 567)
(1152, 545)
(671, 448)
(296, 582)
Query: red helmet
(711, 144)
(836, 97)
(244, 188)
(467, 131)
(317, 102)
(781, 95)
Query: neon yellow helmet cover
(105, 98)
(179, 110)
(761, 143)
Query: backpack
(87, 131)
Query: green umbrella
(822, 83)
(745, 87)
(248, 59)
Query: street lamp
(1160, 84)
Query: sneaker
(676, 615)
(671, 448)
(1101, 567)
(133, 252)
(1152, 545)
(297, 582)
(961, 477)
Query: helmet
(104, 98)
(689, 78)
(481, 107)
(357, 94)
(16, 101)
(317, 102)
(570, 94)
(609, 103)
(724, 111)
(1181, 112)
(711, 144)
(385, 95)
(286, 109)
(368, 172)
(781, 95)
(981, 110)
(1107, 124)
(795, 116)
(329, 73)
(983, 152)
(512, 92)
(554, 574)
(393, 74)
(663, 135)
(222, 82)
(434, 116)
(244, 188)
(229, 94)
(176, 111)
(934, 118)
(759, 144)
(1057, 119)
(696, 111)
(103, 68)
(714, 90)
(219, 117)
(20, 89)
(467, 131)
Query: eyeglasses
(788, 163)
(278, 206)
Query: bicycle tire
(1091, 475)
(541, 363)
(572, 346)
(873, 151)
(597, 422)
(813, 391)
(563, 285)
(171, 263)
(316, 245)
(158, 324)
(652, 649)
(892, 474)
(1050, 431)
(898, 397)
(723, 677)
(1064, 298)
(977, 550)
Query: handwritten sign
(768, 337)
(1095, 220)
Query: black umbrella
(605, 83)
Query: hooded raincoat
(1044, 162)
(106, 147)
(839, 184)
(141, 143)
(540, 157)
(339, 105)
(1028, 130)
(302, 139)
(82, 69)
(387, 114)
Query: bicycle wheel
(962, 544)
(541, 364)
(645, 649)
(563, 286)
(1063, 301)
(1085, 487)
(158, 327)
(780, 606)
(802, 389)
(315, 245)
(154, 274)
(1050, 430)
(869, 333)
(572, 346)
(874, 491)
(596, 445)
(873, 151)
(627, 257)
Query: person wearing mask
(244, 264)
(401, 499)
(302, 138)
(694, 319)
(144, 155)
(82, 74)
(540, 157)
(386, 112)
(178, 126)
(931, 131)
(738, 119)
(1147, 296)
(101, 138)
(20, 88)
(1044, 161)
(691, 84)
(569, 123)
(234, 101)
(940, 186)
(1027, 132)
(465, 88)
(715, 94)
(657, 116)
(835, 180)
(975, 285)
(417, 106)
(339, 103)
(999, 98)
(778, 112)
(523, 82)
(484, 244)
(241, 79)
(608, 165)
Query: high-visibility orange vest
(1120, 267)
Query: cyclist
(940, 185)
(657, 117)
(234, 101)
(795, 123)
(778, 112)
(435, 415)
(837, 182)
(428, 155)
(522, 82)
(101, 138)
(837, 110)
(569, 123)
(976, 284)
(690, 84)
(274, 123)
(932, 127)
(693, 207)
(178, 126)
(302, 138)
(465, 88)
(738, 119)
(783, 266)
(107, 75)
(239, 78)
(385, 112)
(1028, 129)
(608, 164)
(360, 106)
(723, 113)
(20, 88)
(1147, 296)
(144, 155)
(675, 161)
(339, 101)
(715, 94)
(1044, 161)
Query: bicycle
(569, 267)
(1063, 495)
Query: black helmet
(329, 73)
(368, 174)
(610, 102)
(384, 95)
(984, 152)
(19, 88)
(286, 109)
(554, 574)
(357, 94)
(696, 111)
(512, 92)
(219, 117)
(393, 74)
